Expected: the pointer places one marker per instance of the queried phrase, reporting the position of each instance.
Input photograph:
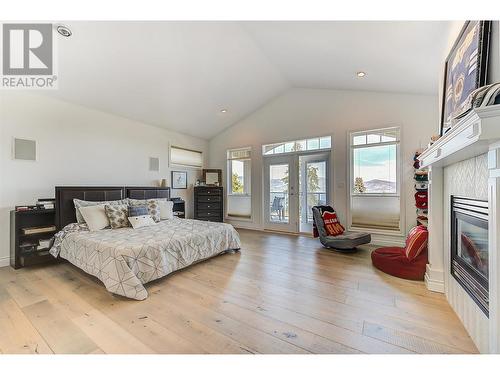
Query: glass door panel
(279, 189)
(280, 200)
(313, 187)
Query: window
(374, 182)
(239, 171)
(319, 143)
(183, 157)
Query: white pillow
(95, 217)
(166, 209)
(141, 221)
(80, 203)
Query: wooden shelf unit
(19, 220)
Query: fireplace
(469, 247)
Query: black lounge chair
(346, 242)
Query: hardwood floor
(280, 294)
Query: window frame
(295, 142)
(247, 192)
(399, 183)
(247, 187)
(353, 147)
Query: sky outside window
(377, 167)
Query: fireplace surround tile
(468, 178)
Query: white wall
(78, 146)
(302, 113)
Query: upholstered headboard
(65, 208)
(147, 192)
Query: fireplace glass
(469, 247)
(473, 239)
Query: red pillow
(332, 225)
(416, 242)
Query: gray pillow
(152, 204)
(81, 203)
(138, 211)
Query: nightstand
(31, 235)
(179, 208)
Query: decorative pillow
(141, 221)
(95, 217)
(137, 210)
(153, 208)
(332, 225)
(416, 242)
(166, 209)
(117, 215)
(81, 203)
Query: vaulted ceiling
(180, 75)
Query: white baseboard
(4, 262)
(434, 279)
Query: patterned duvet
(125, 259)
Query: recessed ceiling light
(361, 74)
(64, 30)
(223, 110)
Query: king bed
(125, 259)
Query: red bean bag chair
(407, 262)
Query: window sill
(376, 195)
(386, 232)
(239, 218)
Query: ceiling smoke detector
(64, 31)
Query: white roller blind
(186, 158)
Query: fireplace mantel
(470, 137)
(478, 133)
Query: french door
(313, 186)
(280, 193)
(293, 184)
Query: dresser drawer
(211, 206)
(208, 191)
(208, 214)
(209, 198)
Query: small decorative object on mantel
(212, 177)
(434, 138)
(465, 70)
(480, 98)
(179, 180)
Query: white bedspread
(125, 259)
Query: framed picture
(465, 70)
(212, 177)
(179, 180)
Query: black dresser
(208, 203)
